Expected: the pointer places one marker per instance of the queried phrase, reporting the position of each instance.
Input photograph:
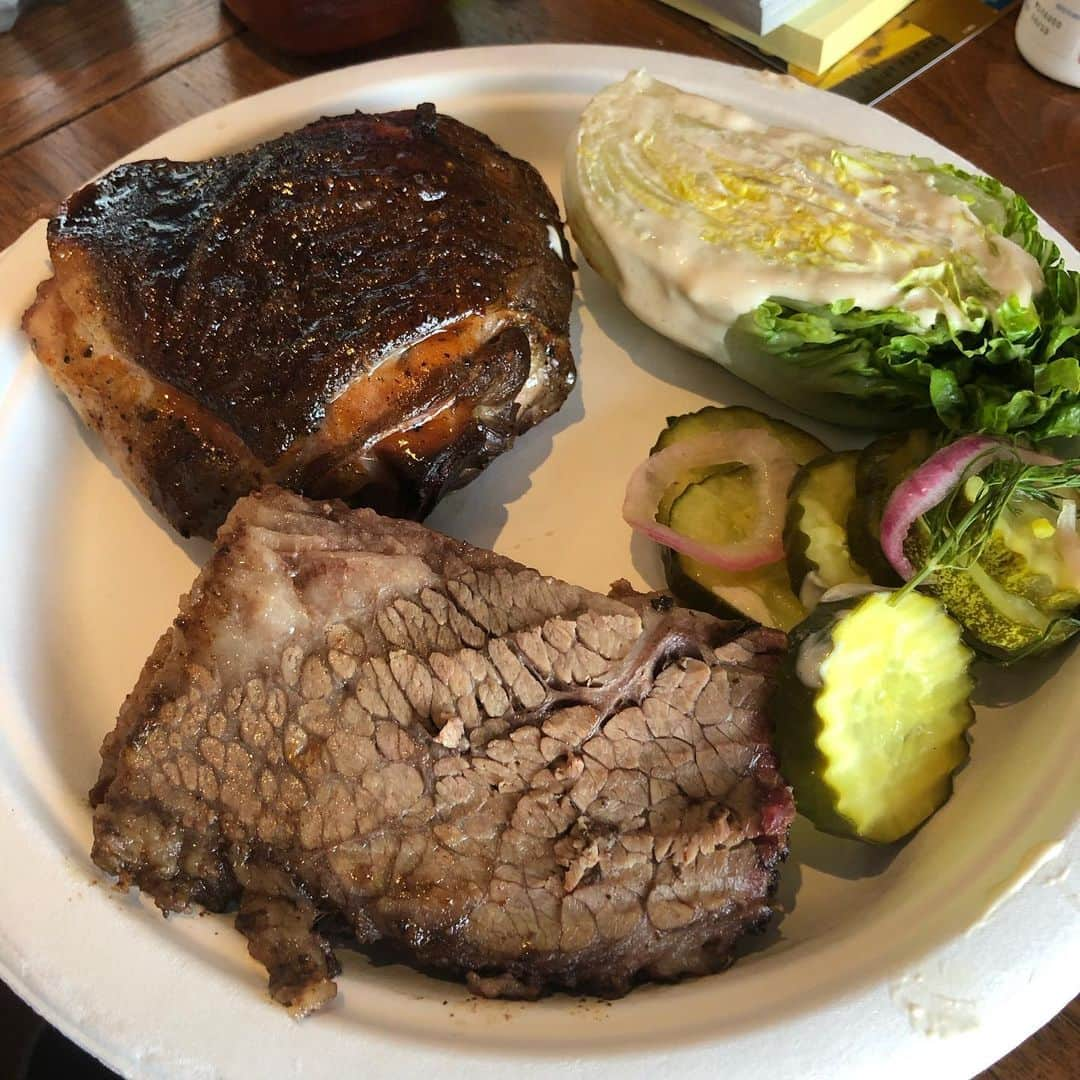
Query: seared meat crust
(360, 728)
(369, 308)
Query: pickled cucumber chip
(871, 716)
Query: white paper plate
(936, 960)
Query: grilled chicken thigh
(369, 308)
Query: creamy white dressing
(815, 649)
(698, 213)
(931, 1013)
(1043, 555)
(811, 590)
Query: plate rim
(334, 84)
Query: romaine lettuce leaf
(1008, 369)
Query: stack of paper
(814, 38)
(757, 16)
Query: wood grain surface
(85, 82)
(984, 102)
(65, 59)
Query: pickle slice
(1019, 599)
(815, 532)
(693, 476)
(722, 509)
(801, 444)
(880, 467)
(1024, 556)
(1008, 608)
(872, 712)
(721, 504)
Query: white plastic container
(1048, 37)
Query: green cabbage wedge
(1011, 369)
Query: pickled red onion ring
(931, 483)
(773, 469)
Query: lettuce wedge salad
(862, 287)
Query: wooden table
(85, 82)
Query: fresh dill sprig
(960, 526)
